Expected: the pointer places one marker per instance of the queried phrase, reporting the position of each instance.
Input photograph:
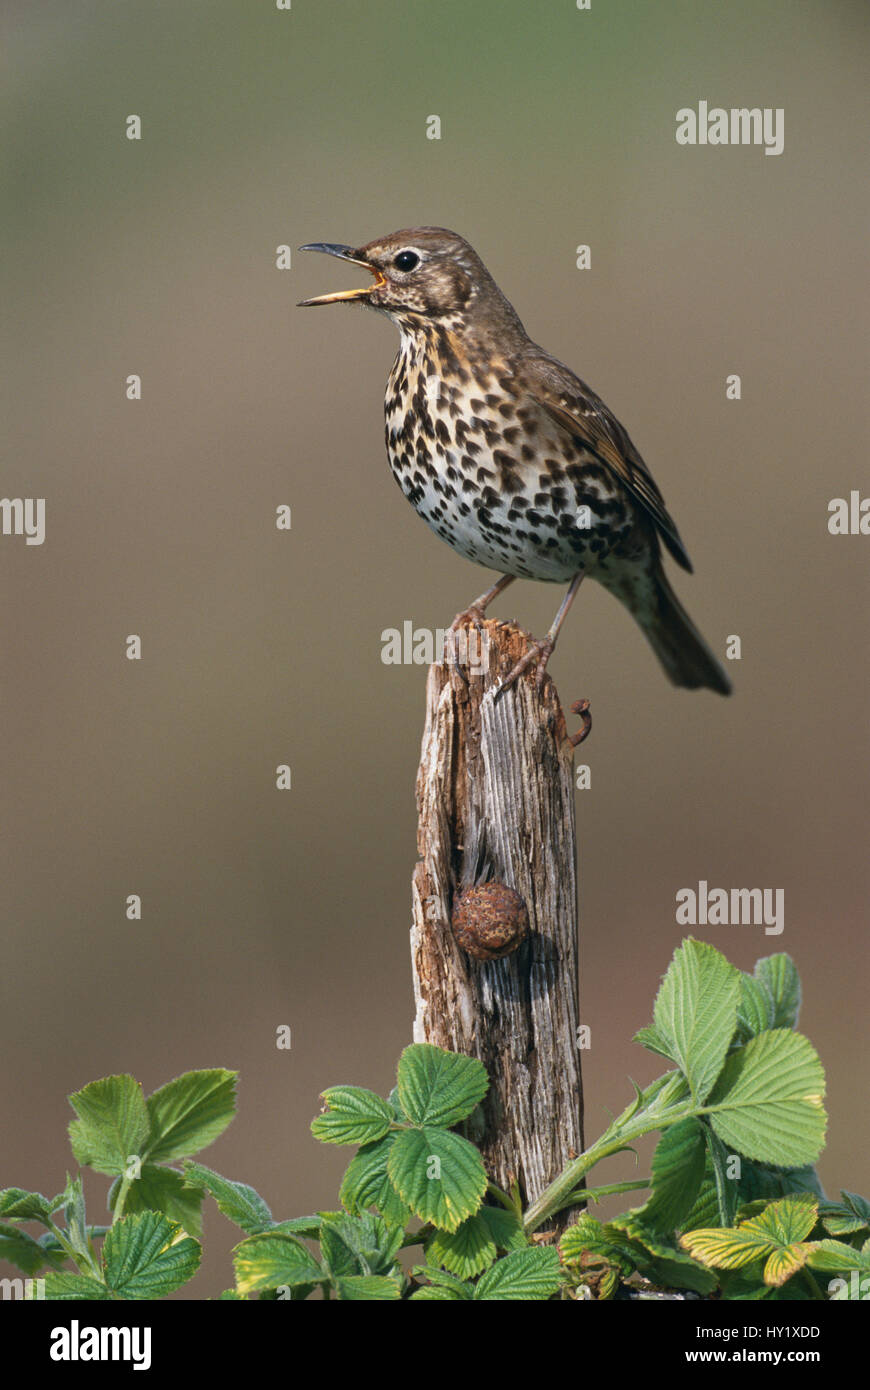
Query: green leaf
(308, 1227)
(472, 1247)
(164, 1190)
(354, 1116)
(677, 1171)
(354, 1245)
(61, 1285)
(505, 1228)
(586, 1234)
(22, 1250)
(238, 1202)
(767, 1103)
(834, 1256)
(696, 1013)
(779, 974)
(438, 1174)
(658, 1260)
(531, 1275)
(366, 1184)
(189, 1113)
(440, 1279)
(859, 1205)
(274, 1261)
(726, 1189)
(756, 1011)
(369, 1286)
(654, 1041)
(705, 1209)
(113, 1124)
(437, 1087)
(767, 1181)
(775, 1236)
(145, 1257)
(75, 1216)
(464, 1252)
(437, 1293)
(846, 1217)
(16, 1204)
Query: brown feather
(572, 405)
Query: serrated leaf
(437, 1087)
(75, 1216)
(368, 1286)
(767, 1181)
(113, 1124)
(464, 1252)
(441, 1279)
(779, 974)
(776, 1236)
(236, 1200)
(654, 1041)
(366, 1183)
(189, 1113)
(696, 1013)
(586, 1234)
(62, 1285)
(438, 1174)
(472, 1247)
(17, 1204)
(859, 1205)
(437, 1293)
(677, 1171)
(756, 1011)
(834, 1256)
(143, 1257)
(162, 1189)
(531, 1275)
(353, 1245)
(354, 1116)
(272, 1261)
(658, 1259)
(505, 1228)
(767, 1103)
(308, 1227)
(726, 1248)
(705, 1209)
(21, 1250)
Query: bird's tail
(677, 643)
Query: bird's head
(422, 274)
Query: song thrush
(509, 456)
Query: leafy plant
(733, 1206)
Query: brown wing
(572, 405)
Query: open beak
(345, 253)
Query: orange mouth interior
(339, 295)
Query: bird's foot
(540, 650)
(472, 614)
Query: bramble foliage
(733, 1204)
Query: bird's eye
(406, 260)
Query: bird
(510, 457)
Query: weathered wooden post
(495, 798)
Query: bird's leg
(476, 611)
(541, 649)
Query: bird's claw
(540, 651)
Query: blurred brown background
(262, 647)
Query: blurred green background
(262, 647)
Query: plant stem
(553, 1198)
(121, 1201)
